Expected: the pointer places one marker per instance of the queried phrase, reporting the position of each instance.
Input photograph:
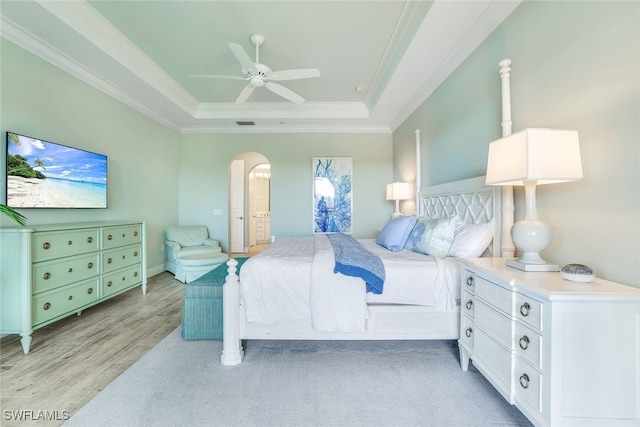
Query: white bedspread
(274, 285)
(293, 279)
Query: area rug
(300, 383)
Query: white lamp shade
(543, 155)
(398, 191)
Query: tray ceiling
(379, 60)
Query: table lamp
(529, 158)
(398, 191)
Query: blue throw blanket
(352, 259)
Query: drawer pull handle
(135, 274)
(90, 291)
(70, 270)
(470, 281)
(109, 237)
(69, 243)
(109, 283)
(90, 265)
(524, 342)
(46, 306)
(46, 245)
(109, 261)
(123, 256)
(135, 253)
(525, 309)
(135, 233)
(468, 332)
(123, 235)
(524, 381)
(89, 239)
(47, 276)
(70, 297)
(469, 305)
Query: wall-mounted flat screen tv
(43, 174)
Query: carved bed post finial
(508, 250)
(418, 173)
(232, 352)
(505, 75)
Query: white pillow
(471, 240)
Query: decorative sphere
(577, 273)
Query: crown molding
(88, 23)
(267, 110)
(43, 50)
(301, 129)
(494, 14)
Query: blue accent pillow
(394, 235)
(432, 236)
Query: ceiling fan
(259, 75)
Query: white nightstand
(564, 353)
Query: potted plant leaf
(14, 215)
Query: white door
(236, 210)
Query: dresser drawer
(49, 305)
(527, 385)
(529, 311)
(466, 333)
(52, 274)
(468, 303)
(528, 345)
(114, 237)
(495, 295)
(58, 244)
(491, 355)
(116, 259)
(495, 323)
(120, 280)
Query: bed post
(418, 172)
(507, 209)
(232, 352)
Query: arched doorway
(249, 201)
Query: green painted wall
(204, 178)
(575, 65)
(41, 101)
(165, 178)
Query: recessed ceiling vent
(246, 123)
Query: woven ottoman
(202, 308)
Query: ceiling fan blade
(242, 57)
(245, 94)
(302, 73)
(214, 76)
(284, 92)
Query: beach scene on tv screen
(42, 174)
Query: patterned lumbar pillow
(432, 236)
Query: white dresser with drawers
(565, 353)
(48, 272)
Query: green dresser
(49, 272)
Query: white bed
(290, 313)
(470, 200)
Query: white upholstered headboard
(471, 200)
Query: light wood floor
(73, 359)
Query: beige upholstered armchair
(190, 252)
